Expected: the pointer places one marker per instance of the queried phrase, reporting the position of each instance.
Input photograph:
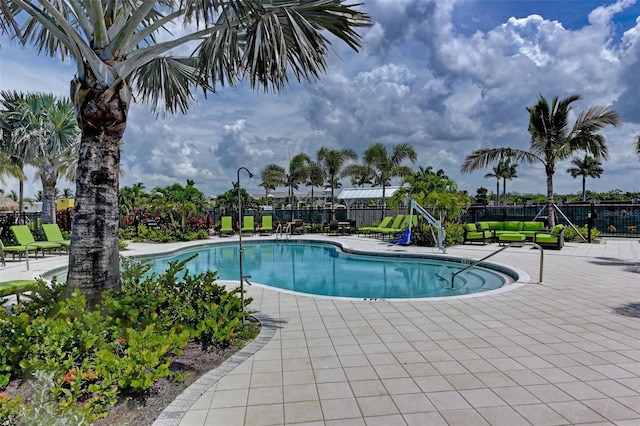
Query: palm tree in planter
(122, 48)
(587, 167)
(552, 140)
(387, 165)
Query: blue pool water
(323, 269)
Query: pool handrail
(514, 244)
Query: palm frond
(483, 158)
(168, 82)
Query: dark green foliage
(124, 345)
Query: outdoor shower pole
(240, 238)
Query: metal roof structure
(366, 193)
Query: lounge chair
(332, 227)
(54, 235)
(298, 226)
(15, 287)
(392, 229)
(226, 225)
(24, 237)
(385, 223)
(247, 225)
(553, 239)
(19, 250)
(266, 225)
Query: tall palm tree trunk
(504, 191)
(21, 201)
(93, 256)
(551, 214)
(48, 214)
(497, 190)
(584, 188)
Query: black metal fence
(610, 219)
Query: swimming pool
(323, 269)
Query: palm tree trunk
(384, 201)
(504, 191)
(21, 201)
(93, 256)
(584, 188)
(498, 191)
(551, 214)
(48, 214)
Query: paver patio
(562, 352)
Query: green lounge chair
(391, 232)
(16, 287)
(226, 225)
(397, 221)
(553, 239)
(19, 250)
(54, 235)
(24, 237)
(266, 225)
(386, 222)
(247, 225)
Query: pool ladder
(283, 234)
(515, 244)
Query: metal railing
(515, 244)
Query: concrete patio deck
(566, 351)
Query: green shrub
(570, 234)
(94, 357)
(423, 234)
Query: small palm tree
(360, 174)
(122, 48)
(497, 173)
(587, 167)
(552, 140)
(10, 165)
(272, 177)
(638, 144)
(509, 171)
(44, 134)
(332, 161)
(389, 165)
(316, 177)
(298, 173)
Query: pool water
(323, 269)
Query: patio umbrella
(7, 204)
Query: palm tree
(387, 166)
(497, 173)
(332, 161)
(589, 167)
(122, 48)
(638, 144)
(44, 134)
(552, 140)
(272, 177)
(298, 174)
(316, 178)
(360, 174)
(509, 171)
(10, 165)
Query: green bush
(570, 234)
(162, 235)
(122, 347)
(423, 234)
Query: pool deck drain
(561, 352)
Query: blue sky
(447, 77)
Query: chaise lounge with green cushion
(247, 225)
(24, 237)
(16, 287)
(386, 222)
(19, 250)
(392, 229)
(400, 229)
(226, 225)
(473, 234)
(266, 225)
(553, 239)
(54, 235)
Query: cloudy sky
(445, 76)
